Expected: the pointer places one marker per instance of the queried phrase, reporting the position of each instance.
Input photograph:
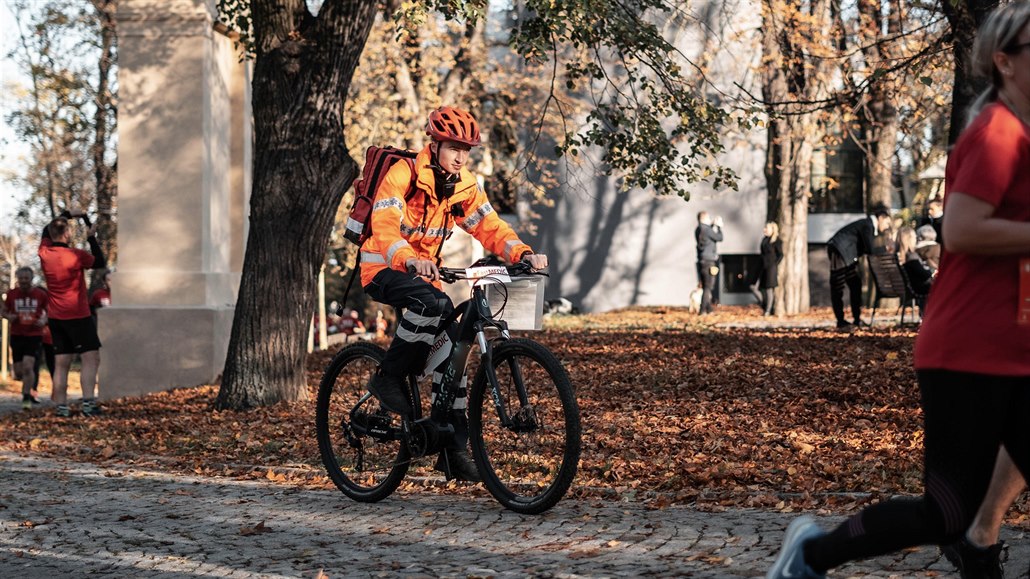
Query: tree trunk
(881, 116)
(883, 140)
(472, 46)
(788, 171)
(104, 174)
(965, 18)
(790, 211)
(302, 70)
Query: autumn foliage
(714, 415)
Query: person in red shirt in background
(101, 295)
(25, 308)
(70, 323)
(351, 324)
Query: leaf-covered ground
(674, 411)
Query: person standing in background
(707, 234)
(771, 250)
(934, 217)
(70, 322)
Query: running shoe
(790, 563)
(91, 408)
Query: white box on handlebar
(524, 309)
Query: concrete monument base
(147, 349)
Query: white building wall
(611, 250)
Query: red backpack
(378, 161)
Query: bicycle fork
(524, 419)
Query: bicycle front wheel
(365, 466)
(528, 462)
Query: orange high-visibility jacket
(416, 228)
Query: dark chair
(891, 282)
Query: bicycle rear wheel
(528, 464)
(366, 468)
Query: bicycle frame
(475, 319)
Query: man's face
(24, 280)
(883, 223)
(452, 156)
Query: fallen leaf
(255, 530)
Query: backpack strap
(412, 188)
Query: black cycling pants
(966, 418)
(424, 306)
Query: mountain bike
(523, 418)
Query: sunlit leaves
(654, 126)
(672, 410)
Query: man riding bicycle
(407, 236)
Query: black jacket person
(844, 250)
(707, 234)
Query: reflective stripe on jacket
(416, 229)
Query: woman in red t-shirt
(972, 356)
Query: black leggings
(47, 351)
(765, 297)
(966, 417)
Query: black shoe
(975, 562)
(457, 464)
(391, 393)
(842, 325)
(860, 324)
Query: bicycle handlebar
(454, 274)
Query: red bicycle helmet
(451, 124)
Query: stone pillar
(183, 171)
